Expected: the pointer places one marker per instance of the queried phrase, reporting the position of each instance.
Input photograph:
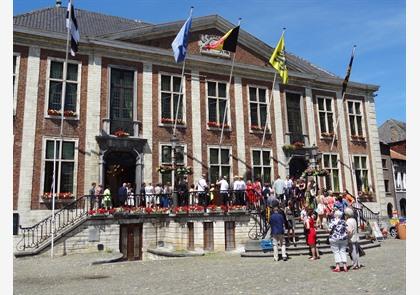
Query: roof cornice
(99, 44)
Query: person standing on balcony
(224, 190)
(149, 192)
(202, 189)
(99, 190)
(241, 188)
(122, 195)
(107, 199)
(279, 187)
(92, 196)
(257, 191)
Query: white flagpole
(268, 114)
(176, 121)
(342, 99)
(63, 95)
(180, 87)
(230, 85)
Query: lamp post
(313, 156)
(174, 145)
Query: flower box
(121, 133)
(298, 144)
(52, 112)
(163, 169)
(358, 138)
(171, 121)
(327, 135)
(213, 124)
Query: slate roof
(391, 131)
(90, 23)
(93, 24)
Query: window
(384, 164)
(355, 118)
(326, 119)
(16, 60)
(219, 163)
(121, 100)
(261, 165)
(294, 119)
(169, 95)
(55, 82)
(361, 171)
(65, 174)
(386, 183)
(166, 159)
(258, 107)
(330, 163)
(217, 101)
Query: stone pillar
(278, 116)
(101, 168)
(28, 134)
(311, 119)
(139, 172)
(240, 128)
(196, 122)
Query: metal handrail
(35, 235)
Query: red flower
(149, 210)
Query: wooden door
(190, 235)
(208, 236)
(229, 235)
(131, 241)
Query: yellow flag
(278, 60)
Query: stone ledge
(166, 253)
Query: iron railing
(34, 236)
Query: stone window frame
(47, 85)
(218, 98)
(230, 165)
(184, 105)
(368, 169)
(43, 160)
(262, 166)
(161, 144)
(16, 80)
(268, 131)
(361, 115)
(330, 169)
(135, 88)
(332, 112)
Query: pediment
(250, 49)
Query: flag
(71, 24)
(180, 43)
(227, 42)
(346, 79)
(278, 60)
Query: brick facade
(149, 67)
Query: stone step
(254, 245)
(322, 251)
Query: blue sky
(321, 31)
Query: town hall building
(122, 89)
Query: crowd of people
(280, 203)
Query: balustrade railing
(36, 235)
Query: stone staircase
(253, 248)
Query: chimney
(58, 3)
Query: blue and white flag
(180, 43)
(71, 24)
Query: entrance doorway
(402, 207)
(131, 241)
(297, 166)
(120, 167)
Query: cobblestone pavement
(384, 273)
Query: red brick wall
(254, 140)
(398, 147)
(18, 119)
(51, 127)
(212, 137)
(163, 134)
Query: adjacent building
(393, 151)
(122, 90)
